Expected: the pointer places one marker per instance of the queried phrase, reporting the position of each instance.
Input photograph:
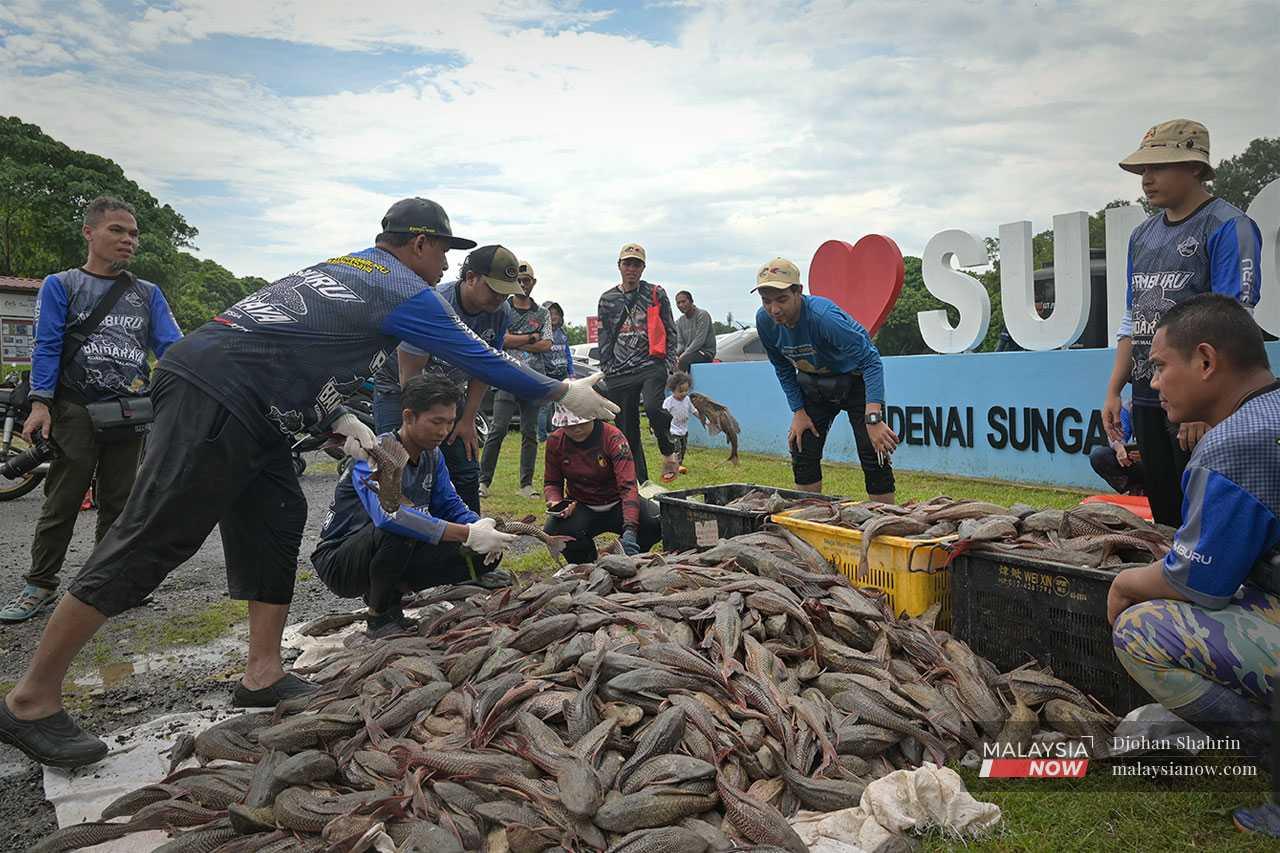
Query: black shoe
(288, 687)
(383, 625)
(54, 740)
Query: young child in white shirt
(680, 407)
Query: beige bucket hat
(1178, 141)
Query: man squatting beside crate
(1200, 629)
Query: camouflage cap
(632, 250)
(1177, 141)
(525, 268)
(498, 266)
(778, 274)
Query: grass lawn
(1096, 813)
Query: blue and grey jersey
(524, 321)
(429, 503)
(113, 361)
(1231, 507)
(826, 341)
(557, 362)
(1217, 249)
(283, 359)
(489, 326)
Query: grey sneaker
(527, 492)
(484, 490)
(27, 603)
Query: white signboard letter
(1070, 283)
(1121, 222)
(1265, 210)
(955, 288)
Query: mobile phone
(556, 509)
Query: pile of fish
(1095, 535)
(672, 703)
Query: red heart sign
(864, 279)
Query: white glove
(489, 543)
(584, 401)
(359, 436)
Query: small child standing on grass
(680, 407)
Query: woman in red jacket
(590, 488)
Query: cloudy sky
(717, 134)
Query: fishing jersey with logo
(624, 329)
(525, 321)
(825, 341)
(113, 361)
(557, 362)
(283, 359)
(429, 502)
(1231, 507)
(1216, 249)
(489, 327)
(599, 471)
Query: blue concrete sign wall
(1026, 416)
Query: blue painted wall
(1052, 395)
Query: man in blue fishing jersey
(1200, 629)
(826, 365)
(228, 398)
(365, 551)
(1195, 244)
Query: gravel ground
(108, 694)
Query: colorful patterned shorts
(1176, 650)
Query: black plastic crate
(698, 518)
(1011, 609)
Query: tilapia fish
(389, 458)
(717, 419)
(636, 705)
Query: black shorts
(203, 467)
(823, 403)
(373, 564)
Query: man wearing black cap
(228, 399)
(478, 297)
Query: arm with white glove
(486, 541)
(581, 398)
(359, 437)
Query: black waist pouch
(825, 388)
(122, 418)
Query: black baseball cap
(422, 216)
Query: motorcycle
(32, 463)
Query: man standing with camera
(94, 327)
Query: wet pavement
(133, 671)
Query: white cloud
(762, 130)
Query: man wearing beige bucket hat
(1194, 244)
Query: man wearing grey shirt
(696, 337)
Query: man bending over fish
(826, 364)
(367, 551)
(1200, 629)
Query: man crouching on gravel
(364, 551)
(229, 399)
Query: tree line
(45, 185)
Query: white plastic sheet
(905, 801)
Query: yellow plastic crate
(911, 572)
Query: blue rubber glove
(630, 546)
